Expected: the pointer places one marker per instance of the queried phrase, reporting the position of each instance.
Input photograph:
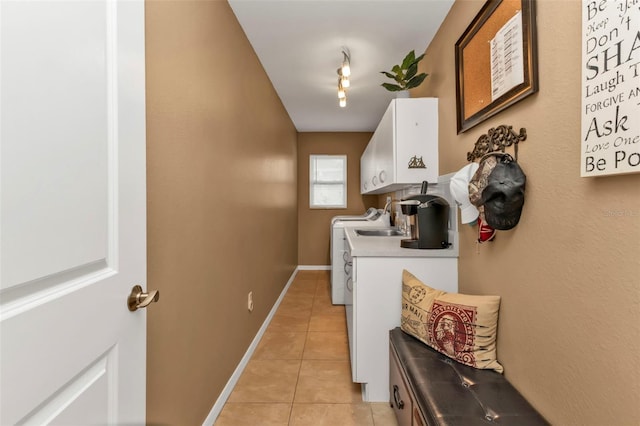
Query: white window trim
(312, 182)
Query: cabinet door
(416, 135)
(350, 312)
(367, 167)
(383, 152)
(400, 396)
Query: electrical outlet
(250, 301)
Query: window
(328, 182)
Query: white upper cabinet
(366, 167)
(404, 148)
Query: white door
(72, 223)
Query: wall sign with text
(610, 87)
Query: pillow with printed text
(462, 327)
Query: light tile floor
(300, 374)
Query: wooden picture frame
(493, 69)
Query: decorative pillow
(462, 327)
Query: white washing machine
(339, 263)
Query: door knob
(139, 299)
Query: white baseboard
(314, 267)
(224, 395)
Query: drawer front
(399, 396)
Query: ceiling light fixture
(343, 77)
(342, 94)
(346, 62)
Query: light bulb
(346, 69)
(345, 82)
(343, 102)
(341, 93)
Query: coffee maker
(428, 220)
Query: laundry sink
(387, 232)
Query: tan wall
(568, 274)
(222, 208)
(313, 233)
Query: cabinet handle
(374, 180)
(382, 176)
(396, 397)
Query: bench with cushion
(427, 388)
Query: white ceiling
(299, 43)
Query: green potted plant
(405, 75)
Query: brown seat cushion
(451, 394)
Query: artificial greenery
(405, 75)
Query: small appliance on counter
(428, 219)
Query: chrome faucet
(388, 205)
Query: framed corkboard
(496, 61)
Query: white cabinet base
(376, 309)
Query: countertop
(368, 246)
